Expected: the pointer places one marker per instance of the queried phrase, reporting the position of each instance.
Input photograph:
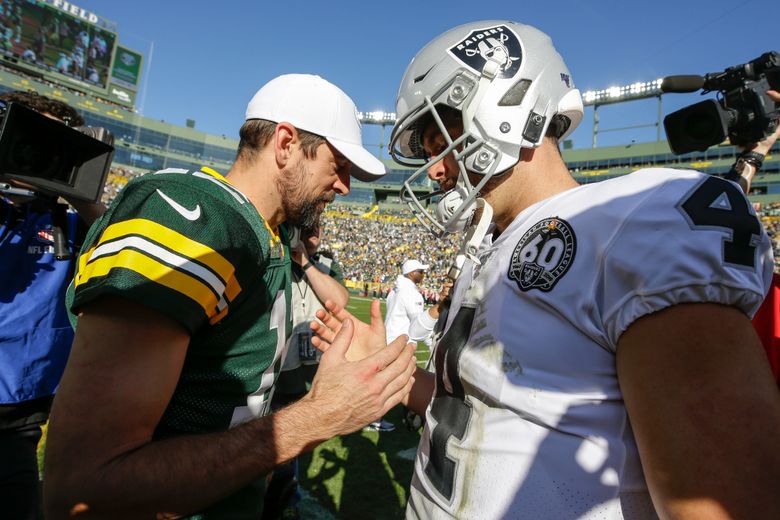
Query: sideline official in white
(405, 302)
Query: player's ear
(285, 141)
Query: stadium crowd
(770, 217)
(371, 245)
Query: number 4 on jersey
(450, 408)
(717, 203)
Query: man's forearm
(421, 394)
(326, 287)
(166, 476)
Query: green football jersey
(191, 246)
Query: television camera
(50, 157)
(743, 112)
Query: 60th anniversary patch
(543, 255)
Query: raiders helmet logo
(497, 43)
(543, 255)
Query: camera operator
(752, 157)
(35, 335)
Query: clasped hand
(360, 377)
(367, 338)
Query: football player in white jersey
(598, 359)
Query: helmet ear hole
(514, 96)
(570, 107)
(558, 126)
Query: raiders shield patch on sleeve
(543, 255)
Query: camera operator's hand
(764, 146)
(748, 171)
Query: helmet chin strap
(483, 216)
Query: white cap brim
(411, 266)
(365, 167)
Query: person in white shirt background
(404, 304)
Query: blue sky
(209, 58)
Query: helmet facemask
(453, 211)
(507, 83)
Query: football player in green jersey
(183, 301)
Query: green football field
(365, 474)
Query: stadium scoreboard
(68, 45)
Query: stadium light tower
(620, 94)
(381, 118)
(377, 118)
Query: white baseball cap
(313, 104)
(410, 266)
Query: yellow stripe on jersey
(172, 240)
(276, 239)
(217, 317)
(215, 173)
(156, 271)
(83, 259)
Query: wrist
(307, 265)
(298, 428)
(746, 166)
(322, 422)
(752, 157)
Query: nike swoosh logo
(189, 214)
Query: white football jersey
(527, 419)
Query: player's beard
(302, 209)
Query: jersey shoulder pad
(177, 242)
(680, 237)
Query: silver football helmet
(507, 82)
